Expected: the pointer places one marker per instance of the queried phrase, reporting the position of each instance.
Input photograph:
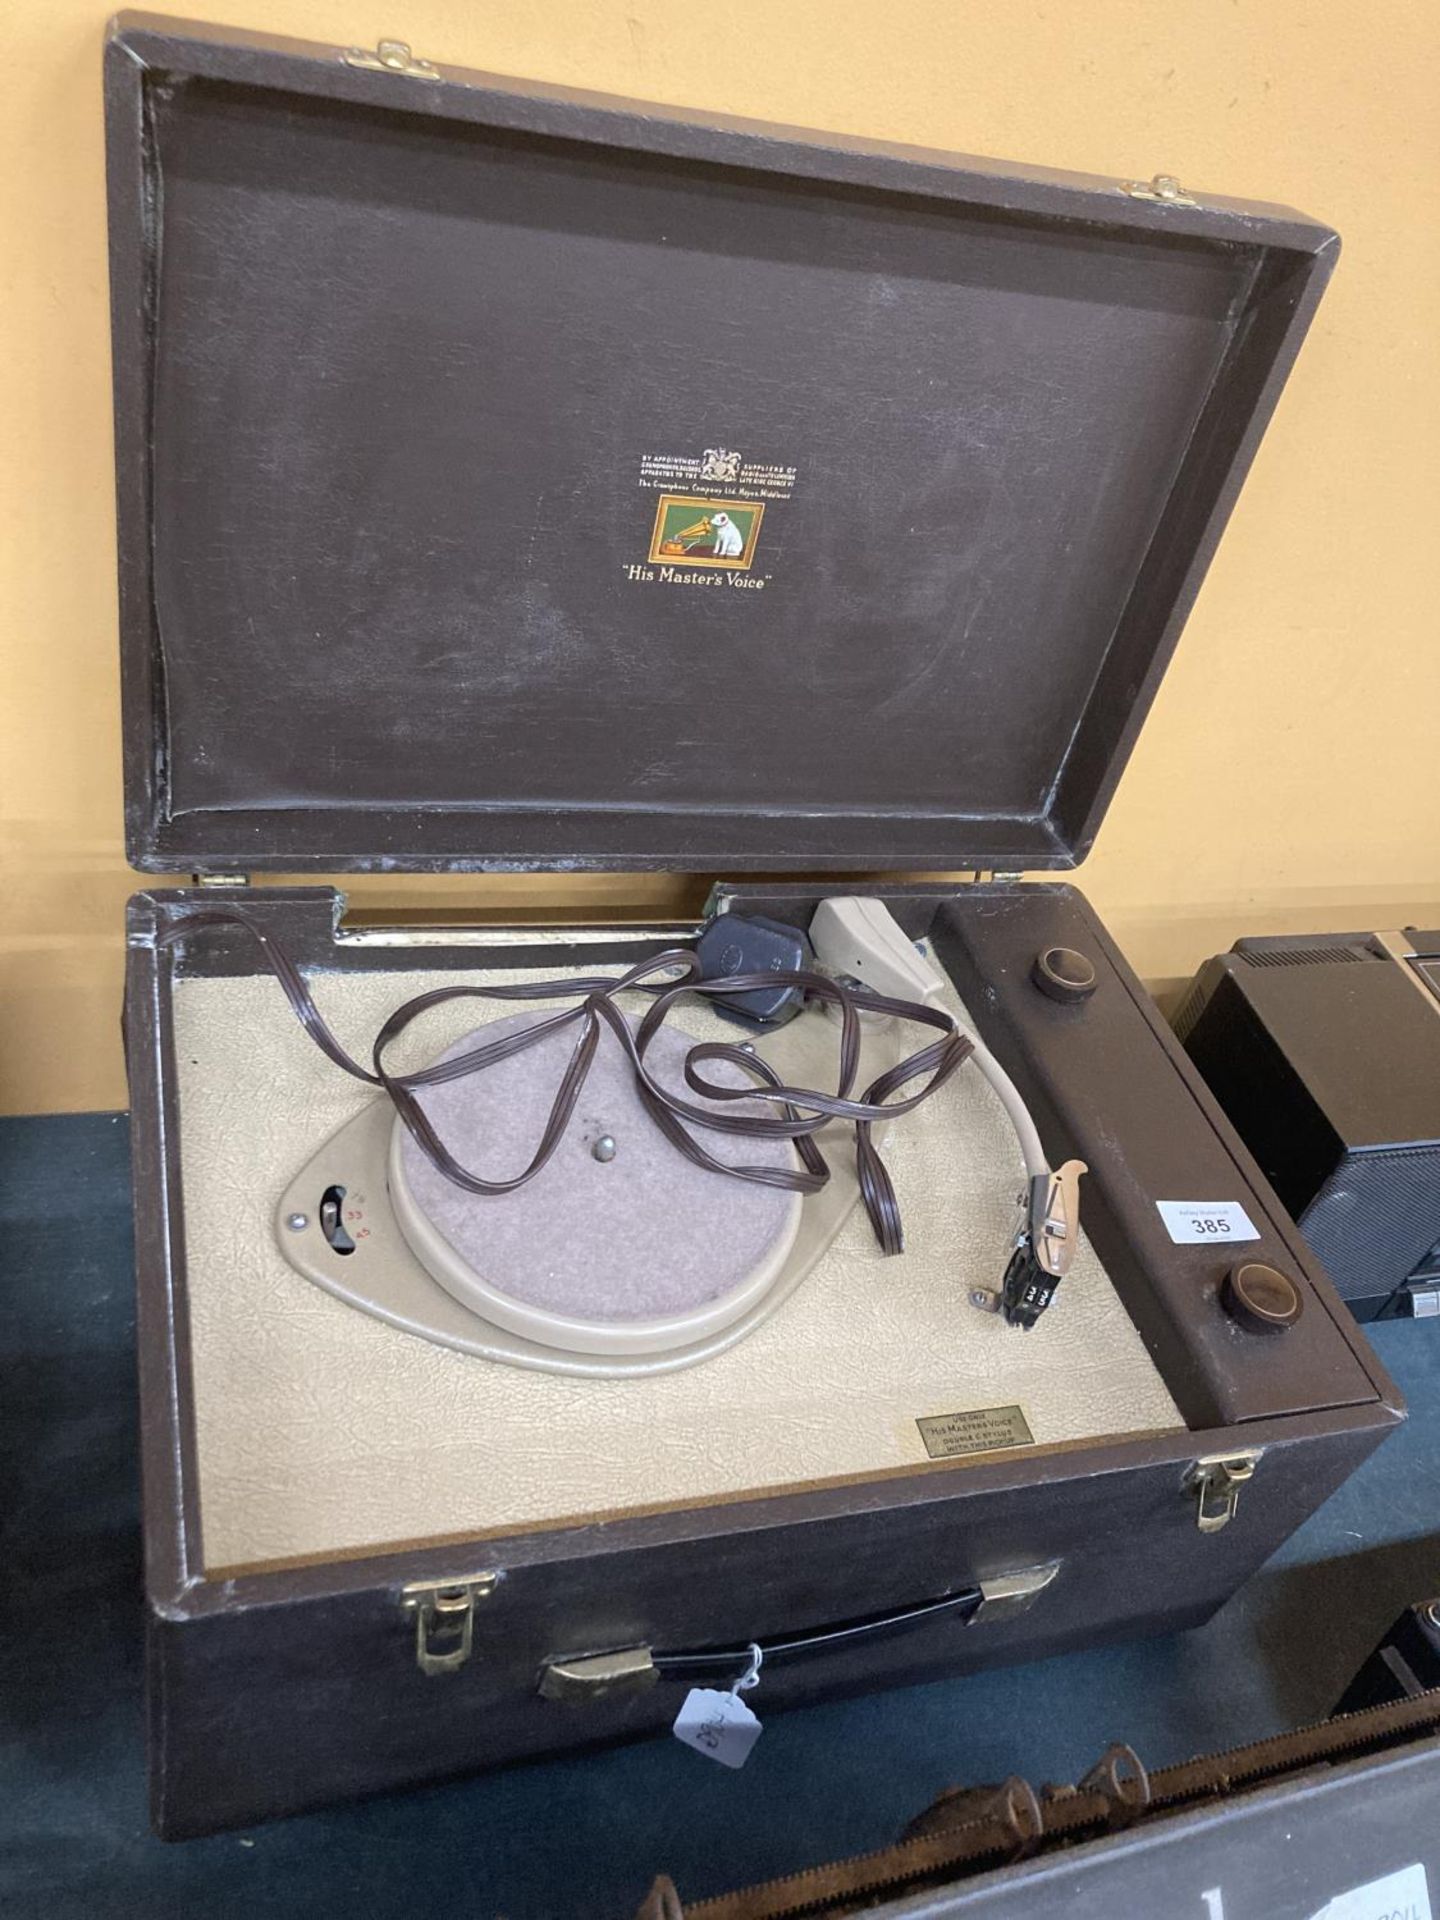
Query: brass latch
(1216, 1484)
(444, 1613)
(391, 56)
(1164, 187)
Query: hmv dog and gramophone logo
(708, 517)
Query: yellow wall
(1288, 775)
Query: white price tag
(1198, 1223)
(1399, 1896)
(719, 1725)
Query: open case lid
(516, 477)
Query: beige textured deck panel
(322, 1431)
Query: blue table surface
(565, 1837)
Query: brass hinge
(221, 879)
(1216, 1482)
(1164, 187)
(444, 1613)
(391, 56)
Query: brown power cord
(803, 1111)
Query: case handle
(577, 1678)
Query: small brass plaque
(984, 1430)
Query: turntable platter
(618, 1230)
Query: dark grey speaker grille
(1374, 1218)
(1306, 956)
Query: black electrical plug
(735, 943)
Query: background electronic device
(1324, 1050)
(1404, 1665)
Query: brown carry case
(418, 374)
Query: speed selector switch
(1261, 1298)
(1063, 975)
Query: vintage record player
(514, 479)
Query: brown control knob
(1063, 974)
(1261, 1298)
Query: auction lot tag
(1197, 1223)
(719, 1725)
(1399, 1896)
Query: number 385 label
(1194, 1223)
